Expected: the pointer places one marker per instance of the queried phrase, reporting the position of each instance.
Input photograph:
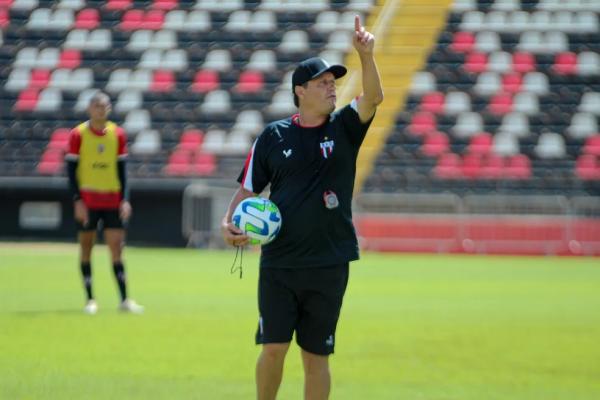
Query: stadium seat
(250, 82)
(432, 102)
(456, 103)
(118, 5)
(582, 126)
(590, 103)
(501, 103)
(467, 124)
(69, 58)
(216, 102)
(550, 145)
(146, 142)
(205, 81)
(588, 167)
(4, 20)
(422, 123)
(39, 79)
(565, 63)
(204, 164)
(518, 167)
(481, 143)
(191, 139)
(165, 4)
(163, 81)
(448, 166)
(435, 143)
(88, 18)
(27, 100)
(506, 144)
(592, 145)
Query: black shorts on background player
(305, 300)
(110, 220)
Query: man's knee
(275, 351)
(315, 363)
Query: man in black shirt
(310, 162)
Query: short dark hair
(99, 96)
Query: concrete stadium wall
(156, 219)
(535, 235)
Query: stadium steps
(404, 31)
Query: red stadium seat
(501, 104)
(205, 81)
(592, 145)
(164, 4)
(422, 122)
(118, 4)
(70, 59)
(481, 144)
(39, 78)
(59, 139)
(472, 165)
(52, 155)
(50, 167)
(523, 62)
(565, 63)
(518, 167)
(163, 81)
(4, 18)
(448, 166)
(205, 164)
(178, 169)
(181, 156)
(132, 20)
(493, 167)
(5, 4)
(512, 82)
(463, 42)
(191, 139)
(433, 102)
(250, 82)
(476, 62)
(587, 167)
(27, 100)
(435, 144)
(87, 18)
(153, 20)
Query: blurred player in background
(310, 162)
(98, 183)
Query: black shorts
(110, 219)
(305, 300)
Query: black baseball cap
(310, 69)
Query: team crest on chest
(326, 147)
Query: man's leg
(114, 239)
(86, 244)
(317, 379)
(269, 370)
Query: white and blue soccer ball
(258, 218)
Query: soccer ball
(258, 218)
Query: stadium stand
(496, 97)
(507, 102)
(167, 64)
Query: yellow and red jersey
(97, 153)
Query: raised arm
(364, 43)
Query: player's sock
(119, 271)
(86, 273)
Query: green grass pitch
(431, 327)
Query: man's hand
(81, 212)
(363, 41)
(232, 235)
(125, 210)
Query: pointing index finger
(357, 23)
